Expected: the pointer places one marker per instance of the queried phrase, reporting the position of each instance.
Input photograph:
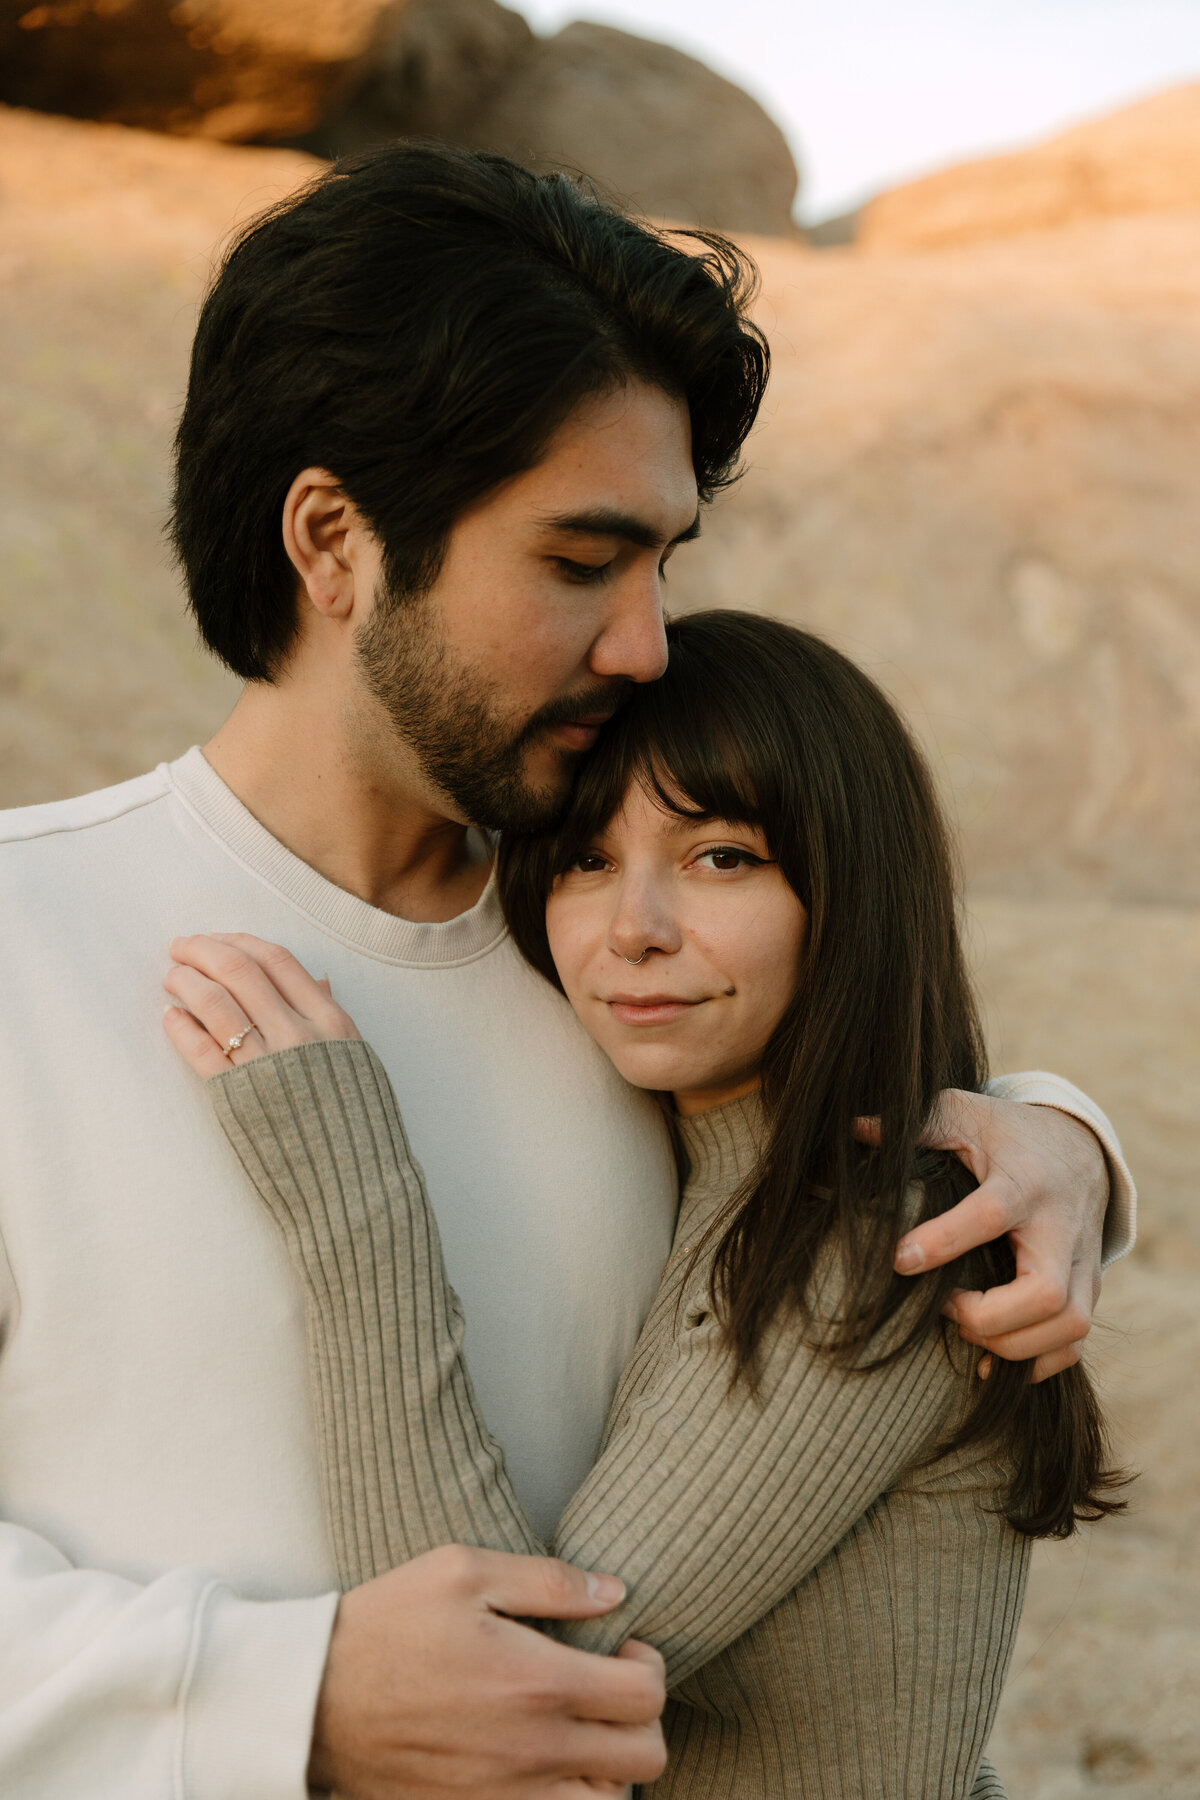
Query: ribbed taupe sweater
(836, 1613)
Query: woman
(822, 1519)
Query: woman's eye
(727, 858)
(582, 572)
(589, 862)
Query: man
(446, 426)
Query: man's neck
(363, 821)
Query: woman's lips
(649, 1009)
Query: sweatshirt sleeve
(1037, 1088)
(711, 1505)
(113, 1690)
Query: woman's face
(722, 933)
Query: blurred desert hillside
(977, 473)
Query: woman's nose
(642, 922)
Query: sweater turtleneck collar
(723, 1144)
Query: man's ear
(319, 523)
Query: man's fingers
(957, 1122)
(616, 1690)
(1068, 1327)
(1054, 1364)
(617, 1753)
(629, 1688)
(982, 1216)
(1056, 1333)
(1047, 1292)
(1037, 1297)
(1043, 1368)
(530, 1587)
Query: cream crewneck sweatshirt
(167, 1583)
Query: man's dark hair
(419, 321)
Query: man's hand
(1043, 1180)
(433, 1689)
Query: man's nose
(633, 642)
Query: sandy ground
(1105, 1683)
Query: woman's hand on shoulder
(236, 997)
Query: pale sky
(871, 92)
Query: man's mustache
(573, 709)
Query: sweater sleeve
(711, 1505)
(112, 1689)
(116, 1690)
(1037, 1088)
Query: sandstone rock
(431, 68)
(648, 124)
(641, 119)
(1102, 1690)
(976, 472)
(228, 69)
(106, 238)
(1145, 159)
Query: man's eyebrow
(605, 521)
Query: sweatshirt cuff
(249, 1702)
(1038, 1088)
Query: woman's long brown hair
(760, 723)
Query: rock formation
(432, 68)
(975, 472)
(235, 70)
(642, 120)
(648, 124)
(1145, 159)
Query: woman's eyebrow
(605, 521)
(681, 824)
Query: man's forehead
(623, 458)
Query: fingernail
(950, 1311)
(984, 1367)
(606, 1588)
(168, 1010)
(909, 1258)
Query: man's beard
(446, 713)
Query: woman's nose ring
(633, 961)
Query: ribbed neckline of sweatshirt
(357, 922)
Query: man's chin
(522, 806)
(548, 777)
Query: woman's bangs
(700, 772)
(679, 748)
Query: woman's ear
(319, 523)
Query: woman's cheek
(569, 938)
